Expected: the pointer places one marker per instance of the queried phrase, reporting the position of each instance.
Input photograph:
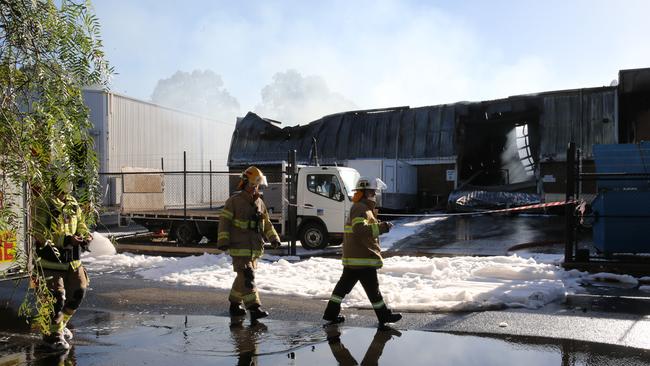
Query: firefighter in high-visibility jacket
(362, 254)
(60, 234)
(243, 225)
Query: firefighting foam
(409, 283)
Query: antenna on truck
(313, 153)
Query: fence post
(293, 209)
(210, 182)
(184, 187)
(569, 209)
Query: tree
(201, 92)
(47, 54)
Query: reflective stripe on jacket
(74, 265)
(53, 220)
(361, 237)
(240, 228)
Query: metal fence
(140, 190)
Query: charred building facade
(515, 144)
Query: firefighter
(60, 235)
(243, 225)
(362, 254)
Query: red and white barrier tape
(513, 209)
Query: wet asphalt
(488, 235)
(128, 320)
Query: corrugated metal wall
(587, 117)
(135, 133)
(138, 133)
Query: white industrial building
(129, 132)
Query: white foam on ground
(644, 288)
(556, 259)
(121, 262)
(407, 283)
(611, 277)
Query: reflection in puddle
(484, 234)
(110, 338)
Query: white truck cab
(324, 198)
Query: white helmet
(370, 183)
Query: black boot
(236, 309)
(332, 312)
(257, 313)
(384, 315)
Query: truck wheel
(185, 233)
(313, 235)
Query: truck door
(324, 199)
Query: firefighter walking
(60, 234)
(362, 254)
(243, 225)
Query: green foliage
(39, 303)
(48, 53)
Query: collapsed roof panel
(587, 116)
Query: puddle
(485, 234)
(110, 338)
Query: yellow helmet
(252, 175)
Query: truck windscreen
(350, 178)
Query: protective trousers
(69, 289)
(243, 288)
(349, 278)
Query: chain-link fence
(136, 190)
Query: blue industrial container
(622, 207)
(622, 158)
(629, 233)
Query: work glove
(385, 227)
(275, 244)
(77, 240)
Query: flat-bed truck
(323, 201)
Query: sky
(296, 61)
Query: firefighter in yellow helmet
(362, 253)
(243, 225)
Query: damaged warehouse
(505, 152)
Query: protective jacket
(361, 238)
(243, 225)
(55, 226)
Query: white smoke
(295, 99)
(511, 160)
(201, 92)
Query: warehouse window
(326, 185)
(523, 148)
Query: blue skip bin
(622, 222)
(622, 207)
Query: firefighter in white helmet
(362, 254)
(243, 225)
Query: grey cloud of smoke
(200, 92)
(296, 99)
